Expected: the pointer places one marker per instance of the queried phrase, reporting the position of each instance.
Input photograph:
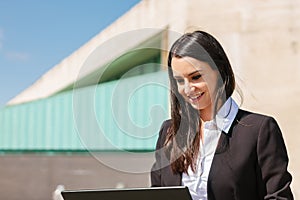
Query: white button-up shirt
(197, 181)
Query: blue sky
(36, 35)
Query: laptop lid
(153, 193)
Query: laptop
(153, 193)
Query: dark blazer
(251, 163)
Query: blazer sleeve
(273, 161)
(159, 156)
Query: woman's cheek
(180, 89)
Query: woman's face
(196, 82)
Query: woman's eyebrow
(197, 71)
(194, 72)
(177, 77)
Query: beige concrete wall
(262, 39)
(35, 177)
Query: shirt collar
(225, 116)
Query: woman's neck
(206, 115)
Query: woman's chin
(195, 106)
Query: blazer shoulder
(164, 127)
(250, 124)
(166, 123)
(246, 117)
(163, 133)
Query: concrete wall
(35, 177)
(262, 39)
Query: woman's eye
(179, 81)
(196, 77)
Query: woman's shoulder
(163, 133)
(254, 120)
(166, 123)
(165, 127)
(246, 115)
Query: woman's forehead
(186, 65)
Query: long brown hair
(183, 137)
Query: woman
(210, 145)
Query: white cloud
(17, 56)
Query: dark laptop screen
(154, 193)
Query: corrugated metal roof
(118, 115)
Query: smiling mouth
(196, 97)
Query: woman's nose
(188, 88)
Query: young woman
(210, 145)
